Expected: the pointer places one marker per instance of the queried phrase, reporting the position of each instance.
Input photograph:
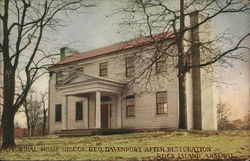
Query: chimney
(66, 52)
(62, 51)
(196, 73)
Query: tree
(223, 113)
(158, 16)
(26, 111)
(246, 121)
(24, 23)
(45, 109)
(35, 111)
(35, 115)
(34, 105)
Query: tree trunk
(182, 102)
(27, 116)
(9, 86)
(32, 132)
(44, 121)
(8, 128)
(28, 122)
(8, 109)
(182, 71)
(32, 128)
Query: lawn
(134, 146)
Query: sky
(101, 26)
(235, 92)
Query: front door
(104, 116)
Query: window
(59, 77)
(161, 65)
(130, 106)
(80, 69)
(58, 112)
(106, 99)
(70, 70)
(161, 102)
(103, 69)
(130, 70)
(79, 111)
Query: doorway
(105, 116)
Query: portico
(101, 101)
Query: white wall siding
(145, 109)
(72, 123)
(209, 115)
(55, 97)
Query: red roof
(114, 48)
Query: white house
(100, 89)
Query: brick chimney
(66, 52)
(196, 74)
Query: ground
(134, 146)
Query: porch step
(76, 134)
(90, 132)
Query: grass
(223, 144)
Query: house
(101, 89)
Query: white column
(86, 112)
(65, 112)
(189, 93)
(98, 110)
(119, 111)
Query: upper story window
(130, 106)
(58, 112)
(103, 69)
(59, 77)
(161, 65)
(161, 103)
(130, 70)
(79, 111)
(70, 70)
(80, 69)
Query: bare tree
(246, 121)
(35, 110)
(175, 22)
(44, 110)
(24, 23)
(31, 109)
(223, 113)
(26, 111)
(35, 114)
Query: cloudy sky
(99, 26)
